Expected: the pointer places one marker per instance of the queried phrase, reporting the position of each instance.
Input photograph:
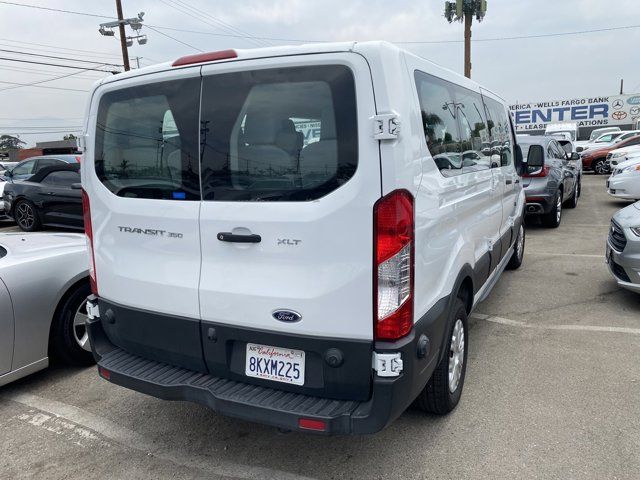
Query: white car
(597, 134)
(624, 182)
(619, 155)
(44, 284)
(2, 212)
(320, 287)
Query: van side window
(147, 141)
(473, 130)
(499, 133)
(286, 134)
(439, 112)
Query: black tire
(554, 217)
(26, 216)
(573, 201)
(63, 344)
(600, 167)
(518, 250)
(437, 397)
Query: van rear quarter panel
(449, 228)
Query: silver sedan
(43, 290)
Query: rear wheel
(554, 217)
(600, 167)
(443, 391)
(573, 201)
(26, 216)
(69, 340)
(518, 250)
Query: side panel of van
(141, 172)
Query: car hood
(629, 216)
(32, 245)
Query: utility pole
(464, 11)
(123, 37)
(135, 23)
(621, 86)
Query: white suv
(297, 235)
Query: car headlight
(636, 231)
(631, 168)
(616, 155)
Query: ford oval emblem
(288, 316)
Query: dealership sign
(586, 112)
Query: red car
(595, 159)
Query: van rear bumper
(390, 396)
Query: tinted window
(499, 132)
(24, 168)
(285, 134)
(147, 141)
(47, 162)
(62, 178)
(3, 252)
(439, 120)
(473, 131)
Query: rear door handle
(231, 237)
(508, 181)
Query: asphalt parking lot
(552, 391)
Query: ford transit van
(296, 235)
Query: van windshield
(286, 134)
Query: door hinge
(387, 364)
(81, 141)
(386, 126)
(93, 311)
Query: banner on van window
(586, 112)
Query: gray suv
(623, 247)
(552, 179)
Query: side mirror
(76, 186)
(8, 173)
(574, 156)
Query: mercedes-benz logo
(618, 104)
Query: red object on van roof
(205, 57)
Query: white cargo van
(297, 235)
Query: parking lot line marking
(552, 254)
(580, 328)
(134, 440)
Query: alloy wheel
(80, 333)
(559, 208)
(456, 355)
(25, 216)
(520, 243)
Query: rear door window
(286, 134)
(62, 178)
(147, 141)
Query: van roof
(365, 48)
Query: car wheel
(69, 340)
(518, 250)
(600, 167)
(573, 201)
(26, 216)
(554, 217)
(442, 392)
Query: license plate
(277, 364)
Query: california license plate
(272, 363)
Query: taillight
(543, 172)
(393, 256)
(88, 230)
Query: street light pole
(123, 37)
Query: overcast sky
(520, 70)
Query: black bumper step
(120, 363)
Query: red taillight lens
(543, 172)
(88, 230)
(311, 424)
(393, 255)
(78, 158)
(205, 57)
(104, 373)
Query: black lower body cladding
(217, 380)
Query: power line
(37, 83)
(173, 38)
(60, 58)
(36, 71)
(54, 47)
(298, 40)
(43, 86)
(19, 60)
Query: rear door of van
(290, 174)
(141, 176)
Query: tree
(7, 142)
(70, 136)
(464, 11)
